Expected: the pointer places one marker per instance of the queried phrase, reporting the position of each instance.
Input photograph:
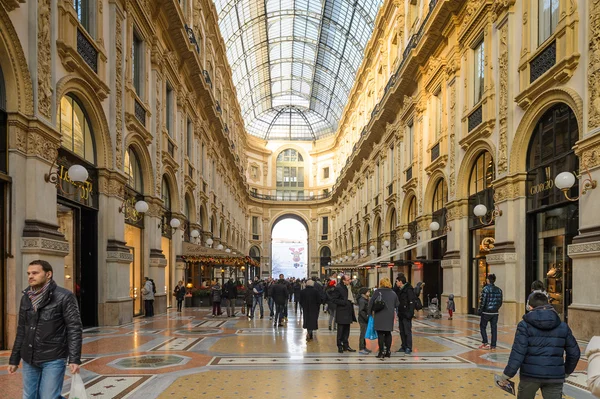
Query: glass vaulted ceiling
(294, 61)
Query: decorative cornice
(584, 250)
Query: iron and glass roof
(294, 61)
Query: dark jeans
(384, 339)
(179, 304)
(493, 319)
(216, 308)
(405, 332)
(343, 333)
(296, 304)
(149, 308)
(279, 313)
(362, 344)
(258, 300)
(528, 389)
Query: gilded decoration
(503, 100)
(44, 59)
(119, 89)
(588, 150)
(500, 7)
(593, 72)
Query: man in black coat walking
(344, 300)
(279, 293)
(230, 293)
(406, 311)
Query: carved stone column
(455, 263)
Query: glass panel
(133, 239)
(66, 122)
(479, 68)
(166, 194)
(166, 250)
(297, 56)
(547, 19)
(67, 226)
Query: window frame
(137, 68)
(74, 101)
(553, 21)
(478, 66)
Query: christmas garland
(235, 261)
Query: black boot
(388, 353)
(380, 355)
(340, 349)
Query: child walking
(450, 306)
(540, 343)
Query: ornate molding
(44, 59)
(583, 250)
(119, 90)
(593, 72)
(452, 174)
(503, 100)
(44, 246)
(588, 150)
(500, 258)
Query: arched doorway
(166, 234)
(134, 227)
(77, 207)
(432, 270)
(481, 191)
(324, 260)
(289, 247)
(552, 220)
(253, 270)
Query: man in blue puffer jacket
(540, 343)
(491, 301)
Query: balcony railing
(87, 51)
(207, 78)
(218, 106)
(475, 118)
(140, 113)
(192, 38)
(282, 197)
(435, 152)
(542, 62)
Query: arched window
(480, 186)
(187, 207)
(482, 174)
(75, 129)
(290, 175)
(440, 196)
(325, 256)
(166, 194)
(133, 170)
(393, 230)
(551, 152)
(412, 210)
(255, 253)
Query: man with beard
(49, 334)
(310, 302)
(280, 296)
(343, 298)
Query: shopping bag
(371, 334)
(77, 387)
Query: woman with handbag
(383, 306)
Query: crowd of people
(544, 352)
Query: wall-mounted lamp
(386, 244)
(133, 212)
(174, 223)
(194, 234)
(372, 249)
(362, 252)
(220, 247)
(75, 174)
(209, 242)
(435, 226)
(565, 180)
(228, 250)
(353, 255)
(486, 217)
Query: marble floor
(193, 355)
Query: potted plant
(200, 297)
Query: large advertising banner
(289, 258)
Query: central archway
(289, 247)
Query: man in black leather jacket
(49, 334)
(491, 301)
(406, 312)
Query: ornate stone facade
(44, 59)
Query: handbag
(371, 334)
(77, 388)
(379, 304)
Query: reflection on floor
(193, 355)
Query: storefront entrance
(553, 220)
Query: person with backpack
(538, 351)
(406, 312)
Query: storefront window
(553, 221)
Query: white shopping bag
(77, 387)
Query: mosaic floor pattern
(193, 355)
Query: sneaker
(368, 350)
(401, 350)
(408, 351)
(484, 347)
(363, 352)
